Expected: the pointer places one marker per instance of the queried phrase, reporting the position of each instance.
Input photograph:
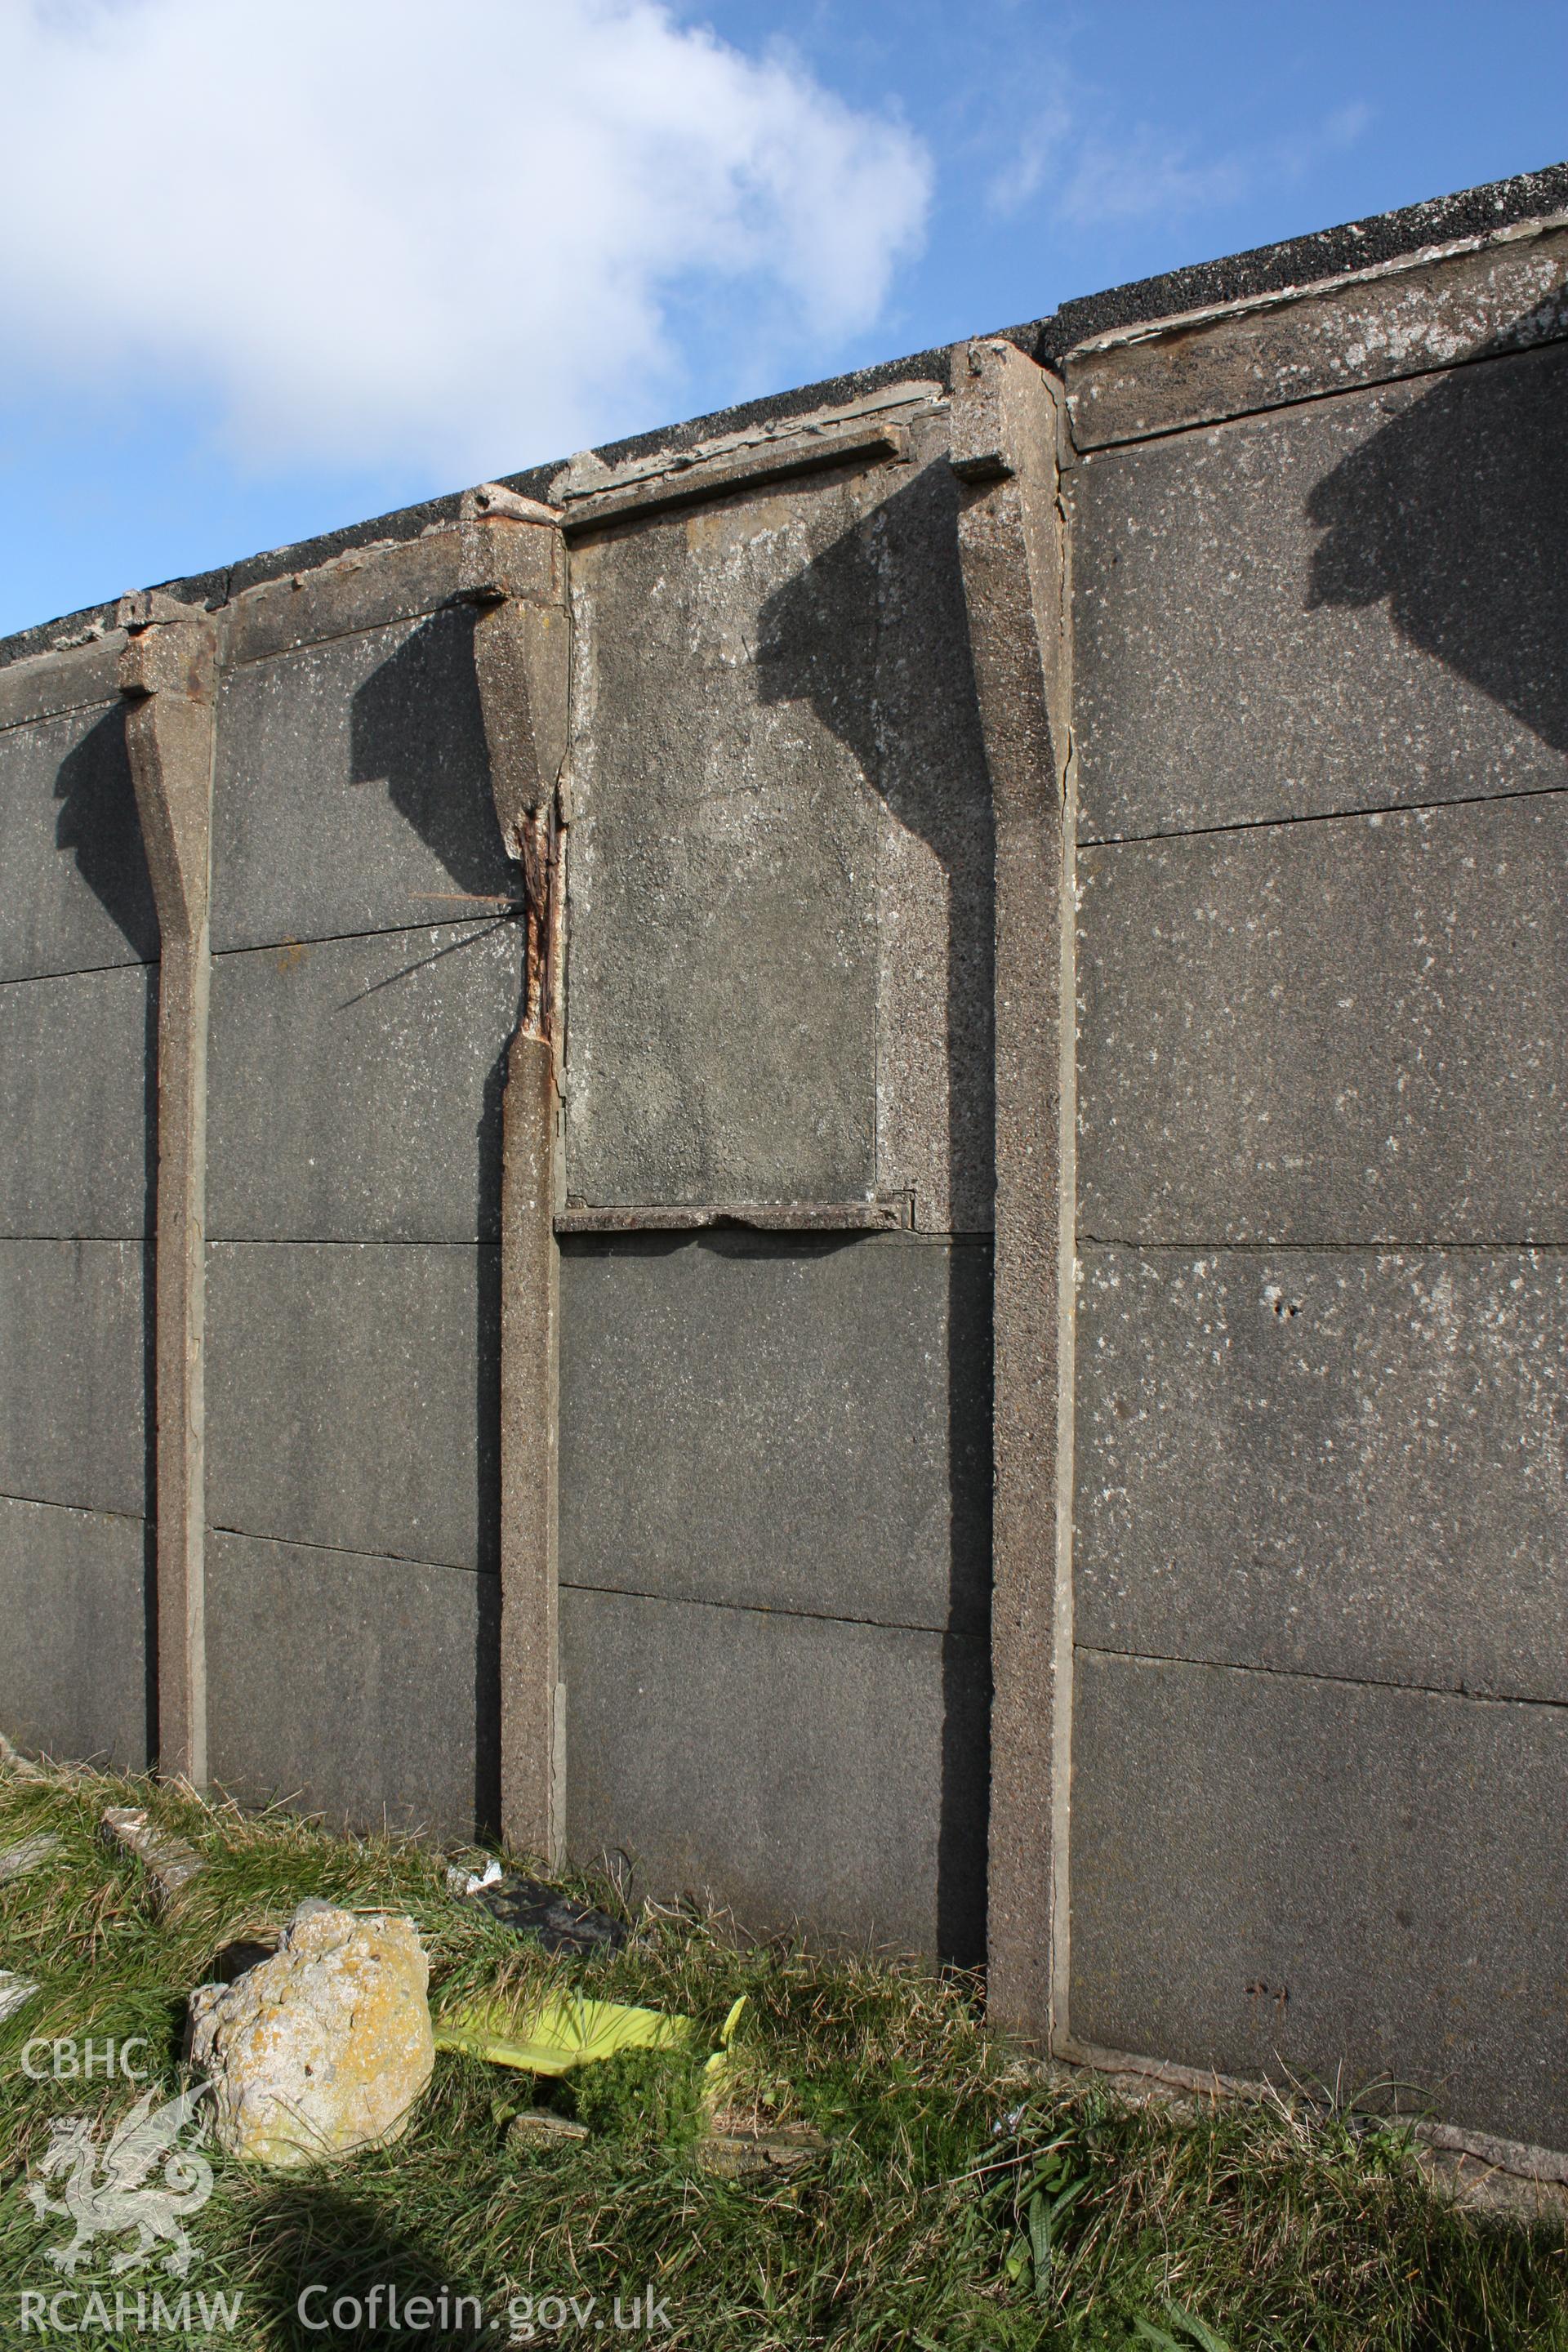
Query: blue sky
(271, 268)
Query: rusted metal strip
(1007, 436)
(168, 675)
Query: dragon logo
(110, 2190)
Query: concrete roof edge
(1264, 269)
(1305, 260)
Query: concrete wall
(1070, 1216)
(78, 940)
(361, 1007)
(775, 1450)
(1319, 1776)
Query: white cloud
(449, 231)
(1089, 171)
(1144, 176)
(1036, 154)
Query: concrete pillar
(1008, 433)
(513, 568)
(168, 675)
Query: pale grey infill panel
(78, 1104)
(76, 1374)
(356, 1084)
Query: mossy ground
(963, 2203)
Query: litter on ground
(567, 2030)
(532, 1908)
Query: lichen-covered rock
(323, 2048)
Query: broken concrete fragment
(13, 1991)
(325, 2047)
(13, 1760)
(168, 1861)
(537, 2128)
(735, 2155)
(18, 1860)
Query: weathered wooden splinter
(168, 675)
(513, 568)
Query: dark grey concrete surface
(1346, 1032)
(1275, 1872)
(355, 1086)
(795, 1769)
(75, 1372)
(1338, 1462)
(353, 1397)
(77, 894)
(363, 1688)
(780, 1424)
(1357, 603)
(77, 1084)
(74, 1589)
(352, 792)
(781, 858)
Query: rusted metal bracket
(1007, 439)
(168, 676)
(512, 567)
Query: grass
(963, 2202)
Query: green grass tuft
(964, 2204)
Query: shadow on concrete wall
(874, 634)
(417, 727)
(99, 825)
(1456, 512)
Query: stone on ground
(18, 1860)
(167, 1860)
(13, 1991)
(539, 2128)
(325, 2047)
